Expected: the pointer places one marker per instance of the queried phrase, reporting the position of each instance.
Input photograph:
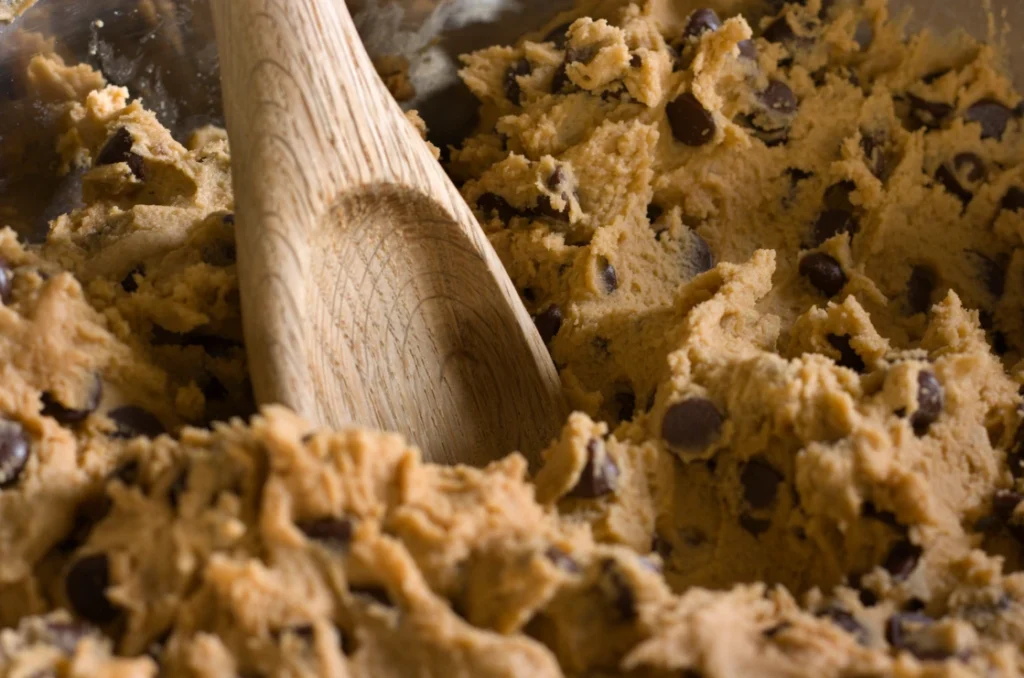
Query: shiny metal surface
(164, 50)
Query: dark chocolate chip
(930, 399)
(556, 179)
(779, 97)
(130, 284)
(700, 254)
(993, 271)
(754, 526)
(945, 176)
(929, 113)
(217, 347)
(824, 272)
(779, 30)
(330, 531)
(1005, 503)
(901, 631)
(654, 212)
(214, 389)
(133, 421)
(229, 219)
(545, 209)
(702, 21)
(993, 117)
(864, 34)
(560, 80)
(6, 281)
(848, 357)
(562, 560)
(970, 166)
(625, 405)
(869, 510)
(873, 145)
(636, 61)
(920, 288)
(14, 452)
(692, 425)
(847, 622)
(492, 204)
(374, 594)
(760, 483)
(599, 476)
(1013, 200)
(796, 175)
(513, 92)
(902, 560)
(548, 322)
(65, 636)
(833, 222)
(118, 148)
(691, 123)
(618, 590)
(558, 35)
(837, 196)
(606, 272)
(86, 589)
(67, 416)
(748, 50)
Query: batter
(776, 257)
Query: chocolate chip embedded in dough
(864, 34)
(838, 196)
(691, 123)
(636, 61)
(544, 208)
(133, 421)
(6, 281)
(945, 176)
(930, 399)
(702, 21)
(993, 117)
(873, 145)
(1005, 503)
(691, 425)
(129, 284)
(600, 475)
(903, 632)
(330, 531)
(760, 482)
(701, 256)
(606, 272)
(625, 404)
(118, 148)
(869, 510)
(848, 357)
(992, 270)
(902, 560)
(1013, 200)
(779, 30)
(562, 560)
(748, 50)
(754, 526)
(970, 166)
(492, 204)
(513, 91)
(654, 212)
(617, 589)
(929, 113)
(920, 287)
(824, 272)
(831, 223)
(778, 97)
(561, 80)
(845, 620)
(86, 589)
(67, 416)
(548, 322)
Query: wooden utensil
(370, 295)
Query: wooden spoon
(370, 295)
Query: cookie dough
(774, 252)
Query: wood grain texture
(370, 295)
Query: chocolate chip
(1013, 200)
(691, 123)
(654, 212)
(691, 425)
(606, 272)
(833, 222)
(929, 113)
(492, 204)
(1005, 503)
(873, 145)
(545, 209)
(848, 357)
(779, 30)
(701, 256)
(333, 532)
(930, 398)
(558, 35)
(838, 196)
(6, 281)
(65, 636)
(130, 284)
(902, 560)
(599, 476)
(947, 178)
(636, 61)
(217, 347)
(754, 526)
(847, 622)
(824, 272)
(556, 179)
(970, 166)
(560, 80)
(88, 514)
(748, 50)
(779, 97)
(796, 175)
(864, 34)
(993, 117)
(900, 629)
(118, 148)
(920, 288)
(993, 271)
(86, 589)
(14, 451)
(375, 594)
(702, 21)
(228, 219)
(513, 92)
(869, 510)
(760, 482)
(133, 421)
(67, 416)
(618, 590)
(562, 560)
(548, 322)
(625, 404)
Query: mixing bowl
(164, 52)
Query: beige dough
(780, 280)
